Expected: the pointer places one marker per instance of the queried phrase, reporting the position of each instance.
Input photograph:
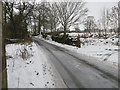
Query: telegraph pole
(3, 70)
(0, 45)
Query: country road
(77, 72)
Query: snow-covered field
(29, 67)
(104, 50)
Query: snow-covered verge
(29, 67)
(104, 50)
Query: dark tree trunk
(4, 70)
(39, 25)
(64, 37)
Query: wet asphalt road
(77, 72)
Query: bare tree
(104, 21)
(53, 18)
(25, 9)
(43, 18)
(35, 31)
(9, 14)
(89, 24)
(99, 27)
(113, 18)
(17, 20)
(69, 13)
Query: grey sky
(95, 8)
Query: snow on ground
(104, 50)
(29, 67)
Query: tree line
(15, 16)
(108, 22)
(22, 18)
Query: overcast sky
(95, 7)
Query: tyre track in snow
(104, 74)
(76, 82)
